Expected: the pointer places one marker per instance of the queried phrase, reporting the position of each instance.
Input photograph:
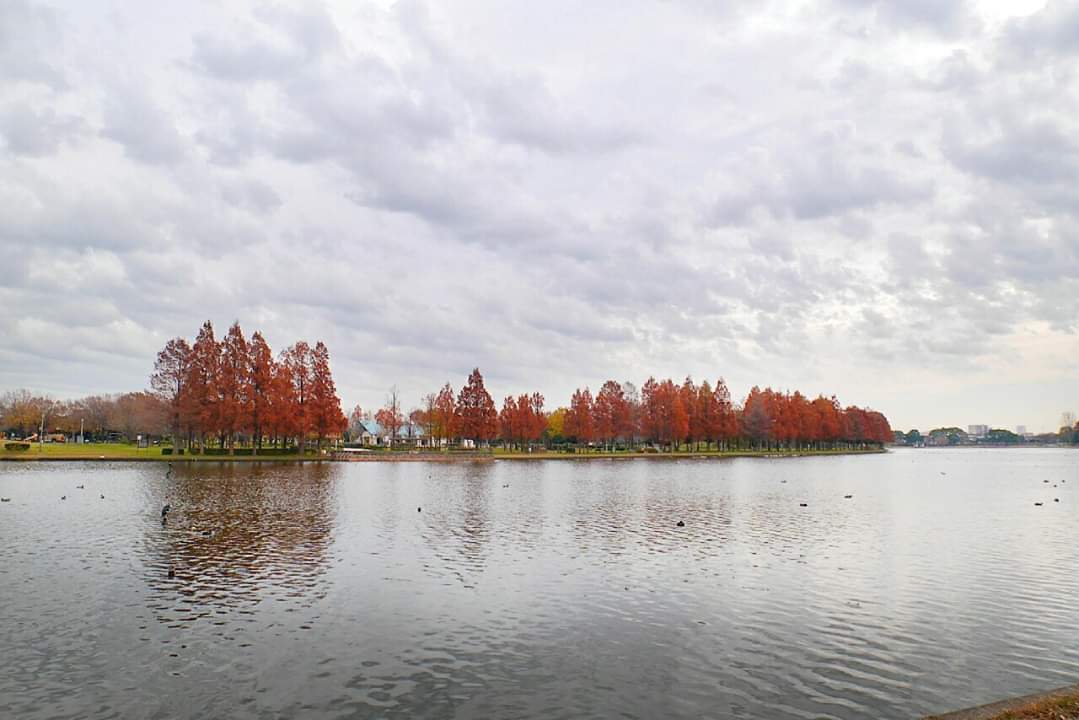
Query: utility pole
(82, 437)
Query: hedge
(19, 446)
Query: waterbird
(172, 573)
(5, 499)
(1037, 504)
(419, 509)
(102, 497)
(165, 510)
(847, 497)
(803, 504)
(1056, 499)
(207, 533)
(63, 497)
(80, 487)
(681, 523)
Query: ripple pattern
(542, 589)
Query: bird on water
(681, 523)
(5, 499)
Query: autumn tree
(579, 425)
(508, 421)
(327, 418)
(610, 413)
(233, 386)
(260, 371)
(389, 416)
(445, 414)
(297, 359)
(201, 399)
(476, 416)
(168, 380)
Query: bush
(166, 451)
(17, 446)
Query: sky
(871, 199)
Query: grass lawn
(122, 451)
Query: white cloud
(854, 196)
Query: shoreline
(1049, 704)
(432, 456)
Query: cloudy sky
(868, 198)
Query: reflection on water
(237, 537)
(539, 589)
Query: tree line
(662, 414)
(233, 392)
(100, 417)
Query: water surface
(553, 589)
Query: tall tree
(260, 370)
(234, 386)
(297, 359)
(476, 416)
(579, 424)
(327, 418)
(201, 401)
(168, 381)
(610, 412)
(445, 414)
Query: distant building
(1021, 430)
(977, 430)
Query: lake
(546, 589)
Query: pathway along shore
(1059, 704)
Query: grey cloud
(944, 18)
(1051, 31)
(1016, 150)
(29, 40)
(146, 132)
(251, 195)
(25, 131)
(766, 192)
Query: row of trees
(233, 391)
(663, 413)
(128, 415)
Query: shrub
(166, 451)
(17, 446)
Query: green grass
(124, 451)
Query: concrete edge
(986, 712)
